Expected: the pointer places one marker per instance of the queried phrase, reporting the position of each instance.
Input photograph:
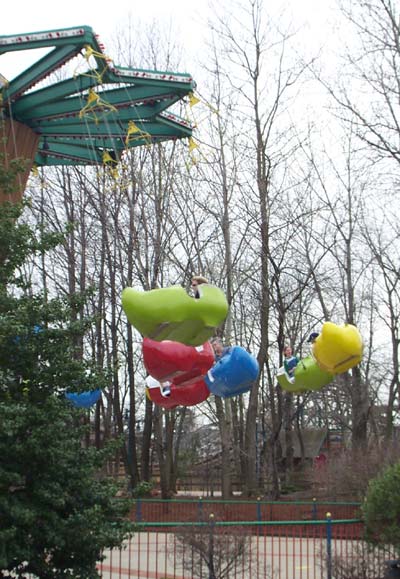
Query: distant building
(314, 442)
(308, 446)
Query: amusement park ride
(88, 118)
(91, 118)
(186, 365)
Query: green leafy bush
(381, 509)
(143, 489)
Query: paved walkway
(155, 556)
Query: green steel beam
(81, 34)
(68, 154)
(39, 70)
(40, 100)
(127, 97)
(114, 144)
(109, 129)
(82, 153)
(54, 93)
(182, 81)
(84, 81)
(123, 115)
(75, 146)
(174, 121)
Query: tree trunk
(145, 469)
(360, 410)
(226, 447)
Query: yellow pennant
(193, 100)
(132, 128)
(134, 133)
(95, 102)
(88, 51)
(93, 97)
(192, 144)
(107, 158)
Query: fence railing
(211, 549)
(159, 510)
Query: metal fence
(295, 550)
(209, 541)
(182, 510)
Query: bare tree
(371, 63)
(219, 550)
(383, 243)
(254, 54)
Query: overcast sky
(28, 16)
(103, 17)
(188, 16)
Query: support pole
(17, 142)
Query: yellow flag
(88, 51)
(132, 128)
(107, 158)
(193, 100)
(92, 97)
(192, 144)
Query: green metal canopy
(103, 111)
